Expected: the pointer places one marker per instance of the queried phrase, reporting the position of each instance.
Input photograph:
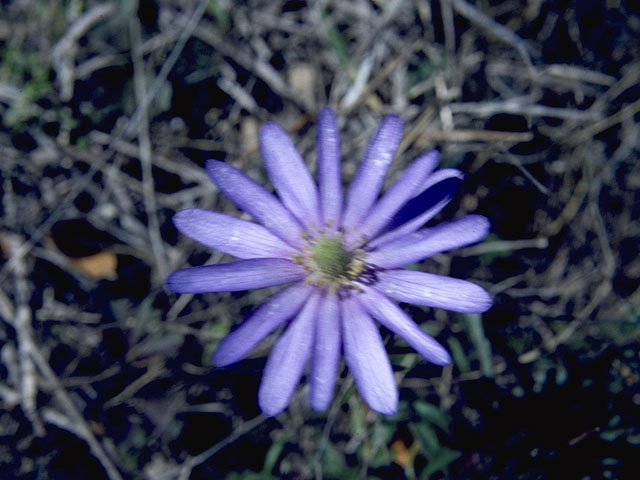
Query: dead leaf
(101, 265)
(302, 78)
(401, 454)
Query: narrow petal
(432, 290)
(287, 360)
(326, 355)
(289, 175)
(279, 308)
(329, 177)
(437, 192)
(429, 241)
(230, 235)
(367, 359)
(392, 317)
(256, 201)
(407, 186)
(235, 276)
(366, 184)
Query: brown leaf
(98, 266)
(401, 454)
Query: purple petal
(289, 174)
(399, 193)
(432, 290)
(235, 276)
(429, 241)
(256, 201)
(287, 360)
(230, 235)
(326, 355)
(366, 358)
(329, 177)
(437, 192)
(366, 184)
(392, 317)
(282, 306)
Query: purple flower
(342, 257)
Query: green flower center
(329, 264)
(331, 258)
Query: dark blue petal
(439, 191)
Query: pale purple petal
(326, 355)
(288, 359)
(329, 177)
(368, 179)
(407, 186)
(279, 308)
(431, 290)
(427, 242)
(289, 175)
(256, 201)
(367, 359)
(437, 192)
(235, 276)
(392, 317)
(230, 235)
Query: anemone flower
(342, 258)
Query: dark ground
(105, 374)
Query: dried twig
(386, 71)
(601, 292)
(449, 27)
(570, 209)
(466, 135)
(187, 466)
(391, 9)
(523, 107)
(81, 428)
(501, 32)
(64, 52)
(579, 74)
(624, 113)
(21, 321)
(31, 356)
(97, 165)
(171, 60)
(253, 63)
(156, 369)
(503, 246)
(514, 161)
(148, 188)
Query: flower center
(330, 264)
(331, 258)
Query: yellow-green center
(331, 258)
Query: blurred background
(109, 111)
